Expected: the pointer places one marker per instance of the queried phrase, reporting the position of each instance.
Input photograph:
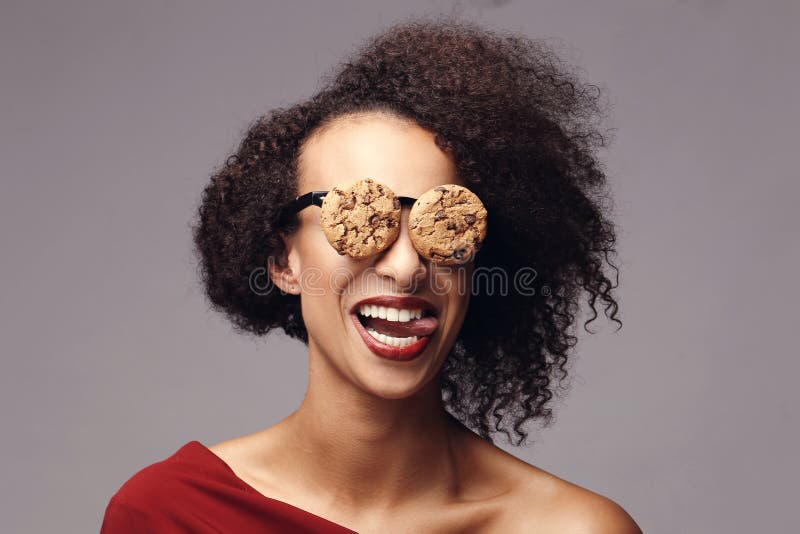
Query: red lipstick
(423, 328)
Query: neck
(362, 450)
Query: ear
(284, 270)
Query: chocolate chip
(441, 189)
(439, 215)
(396, 203)
(373, 220)
(459, 253)
(451, 225)
(380, 188)
(367, 199)
(470, 219)
(389, 223)
(350, 204)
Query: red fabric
(194, 490)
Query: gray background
(113, 117)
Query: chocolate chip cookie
(362, 219)
(448, 224)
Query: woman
(357, 222)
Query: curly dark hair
(523, 130)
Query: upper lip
(389, 301)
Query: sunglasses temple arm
(315, 198)
(299, 203)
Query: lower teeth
(389, 340)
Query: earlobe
(283, 277)
(281, 272)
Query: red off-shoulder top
(194, 490)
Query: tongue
(415, 327)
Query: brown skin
(371, 447)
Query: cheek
(319, 263)
(459, 297)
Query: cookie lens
(448, 224)
(362, 219)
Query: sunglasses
(447, 224)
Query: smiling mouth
(395, 333)
(397, 326)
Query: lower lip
(390, 352)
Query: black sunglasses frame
(315, 198)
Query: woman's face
(404, 157)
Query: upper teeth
(390, 314)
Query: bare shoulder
(246, 454)
(241, 448)
(539, 502)
(580, 510)
(238, 452)
(551, 504)
(229, 448)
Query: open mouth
(398, 331)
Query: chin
(393, 384)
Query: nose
(400, 262)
